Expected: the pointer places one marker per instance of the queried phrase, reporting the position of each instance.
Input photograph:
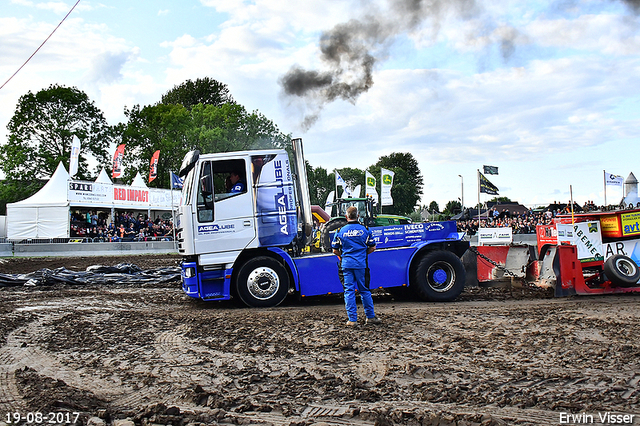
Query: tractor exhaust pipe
(302, 183)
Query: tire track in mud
(21, 351)
(515, 363)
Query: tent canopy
(43, 215)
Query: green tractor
(368, 217)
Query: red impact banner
(117, 161)
(153, 166)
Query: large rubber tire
(439, 277)
(328, 231)
(262, 282)
(622, 271)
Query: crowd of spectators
(125, 226)
(520, 223)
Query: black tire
(439, 277)
(328, 231)
(622, 271)
(262, 282)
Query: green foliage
(416, 216)
(452, 208)
(433, 207)
(407, 182)
(352, 177)
(501, 200)
(41, 132)
(163, 127)
(230, 127)
(320, 184)
(12, 191)
(206, 91)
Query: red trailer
(590, 253)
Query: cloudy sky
(547, 91)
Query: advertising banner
(495, 236)
(385, 189)
(630, 223)
(117, 161)
(370, 187)
(585, 236)
(153, 166)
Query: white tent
(138, 182)
(43, 215)
(103, 177)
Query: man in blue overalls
(352, 244)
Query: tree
(321, 184)
(41, 132)
(352, 177)
(159, 127)
(407, 182)
(433, 207)
(452, 208)
(175, 130)
(206, 91)
(500, 200)
(230, 127)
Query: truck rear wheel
(622, 271)
(329, 230)
(439, 277)
(262, 282)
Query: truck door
(224, 214)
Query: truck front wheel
(262, 282)
(439, 277)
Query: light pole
(462, 190)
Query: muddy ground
(148, 354)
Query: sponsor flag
(75, 154)
(176, 182)
(329, 200)
(343, 184)
(153, 166)
(490, 170)
(613, 180)
(385, 188)
(486, 186)
(370, 186)
(117, 161)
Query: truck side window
(229, 179)
(205, 193)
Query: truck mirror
(206, 189)
(189, 161)
(206, 186)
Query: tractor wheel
(262, 282)
(329, 230)
(622, 271)
(439, 277)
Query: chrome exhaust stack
(302, 185)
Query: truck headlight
(190, 272)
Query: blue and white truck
(252, 244)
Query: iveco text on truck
(252, 244)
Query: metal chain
(503, 268)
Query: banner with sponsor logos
(585, 236)
(120, 196)
(404, 235)
(495, 235)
